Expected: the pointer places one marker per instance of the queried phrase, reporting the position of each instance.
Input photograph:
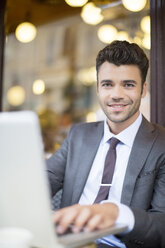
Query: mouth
(117, 107)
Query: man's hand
(88, 217)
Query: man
(137, 194)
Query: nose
(117, 92)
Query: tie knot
(114, 142)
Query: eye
(106, 84)
(129, 85)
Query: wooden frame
(2, 39)
(157, 60)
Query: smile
(117, 107)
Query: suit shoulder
(161, 134)
(152, 127)
(160, 129)
(86, 127)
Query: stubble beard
(126, 116)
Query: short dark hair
(124, 53)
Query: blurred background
(50, 52)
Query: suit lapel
(91, 142)
(142, 145)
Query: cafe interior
(48, 53)
(48, 57)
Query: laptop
(24, 193)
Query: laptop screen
(23, 183)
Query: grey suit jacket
(144, 183)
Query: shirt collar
(127, 136)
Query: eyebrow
(129, 81)
(106, 81)
(123, 81)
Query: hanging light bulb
(107, 33)
(137, 40)
(134, 5)
(76, 3)
(38, 87)
(146, 42)
(145, 24)
(25, 32)
(16, 95)
(91, 14)
(87, 76)
(122, 35)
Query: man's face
(120, 91)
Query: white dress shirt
(92, 186)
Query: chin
(118, 119)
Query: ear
(144, 90)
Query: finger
(93, 223)
(83, 216)
(67, 219)
(58, 214)
(61, 212)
